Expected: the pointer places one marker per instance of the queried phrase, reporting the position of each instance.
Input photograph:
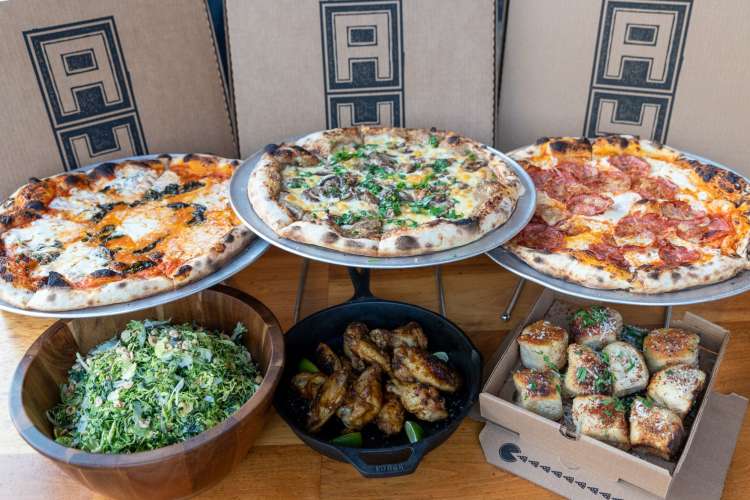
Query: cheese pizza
(118, 232)
(383, 191)
(616, 212)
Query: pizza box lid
(92, 81)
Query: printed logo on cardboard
(363, 62)
(637, 63)
(87, 91)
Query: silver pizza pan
(708, 293)
(250, 254)
(519, 218)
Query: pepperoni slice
(693, 229)
(718, 229)
(679, 210)
(540, 236)
(589, 204)
(611, 181)
(631, 165)
(675, 255)
(634, 224)
(655, 188)
(538, 175)
(609, 253)
(561, 186)
(581, 172)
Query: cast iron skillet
(380, 456)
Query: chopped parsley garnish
(349, 218)
(604, 356)
(434, 141)
(377, 171)
(594, 315)
(552, 366)
(303, 173)
(440, 165)
(646, 401)
(532, 385)
(631, 365)
(581, 374)
(295, 183)
(154, 385)
(338, 170)
(403, 222)
(342, 155)
(471, 157)
(621, 405)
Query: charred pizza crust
(621, 213)
(381, 191)
(118, 232)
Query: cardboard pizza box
(671, 70)
(299, 66)
(94, 80)
(538, 449)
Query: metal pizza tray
(519, 218)
(708, 293)
(250, 254)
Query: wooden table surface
(281, 466)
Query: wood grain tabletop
(281, 466)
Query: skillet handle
(361, 283)
(383, 465)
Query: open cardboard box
(537, 449)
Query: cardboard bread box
(299, 66)
(543, 451)
(671, 70)
(94, 80)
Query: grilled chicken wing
(422, 400)
(381, 338)
(364, 400)
(353, 331)
(308, 384)
(329, 397)
(411, 364)
(328, 361)
(391, 417)
(356, 341)
(410, 335)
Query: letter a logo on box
(637, 63)
(87, 91)
(363, 62)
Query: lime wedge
(413, 430)
(442, 356)
(351, 440)
(305, 365)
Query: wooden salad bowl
(178, 470)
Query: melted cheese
(664, 169)
(138, 226)
(79, 202)
(76, 262)
(214, 197)
(131, 181)
(43, 235)
(619, 209)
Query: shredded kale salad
(155, 385)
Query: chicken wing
(410, 334)
(354, 330)
(422, 400)
(307, 384)
(328, 361)
(411, 364)
(364, 400)
(391, 417)
(381, 338)
(356, 342)
(329, 397)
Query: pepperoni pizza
(617, 212)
